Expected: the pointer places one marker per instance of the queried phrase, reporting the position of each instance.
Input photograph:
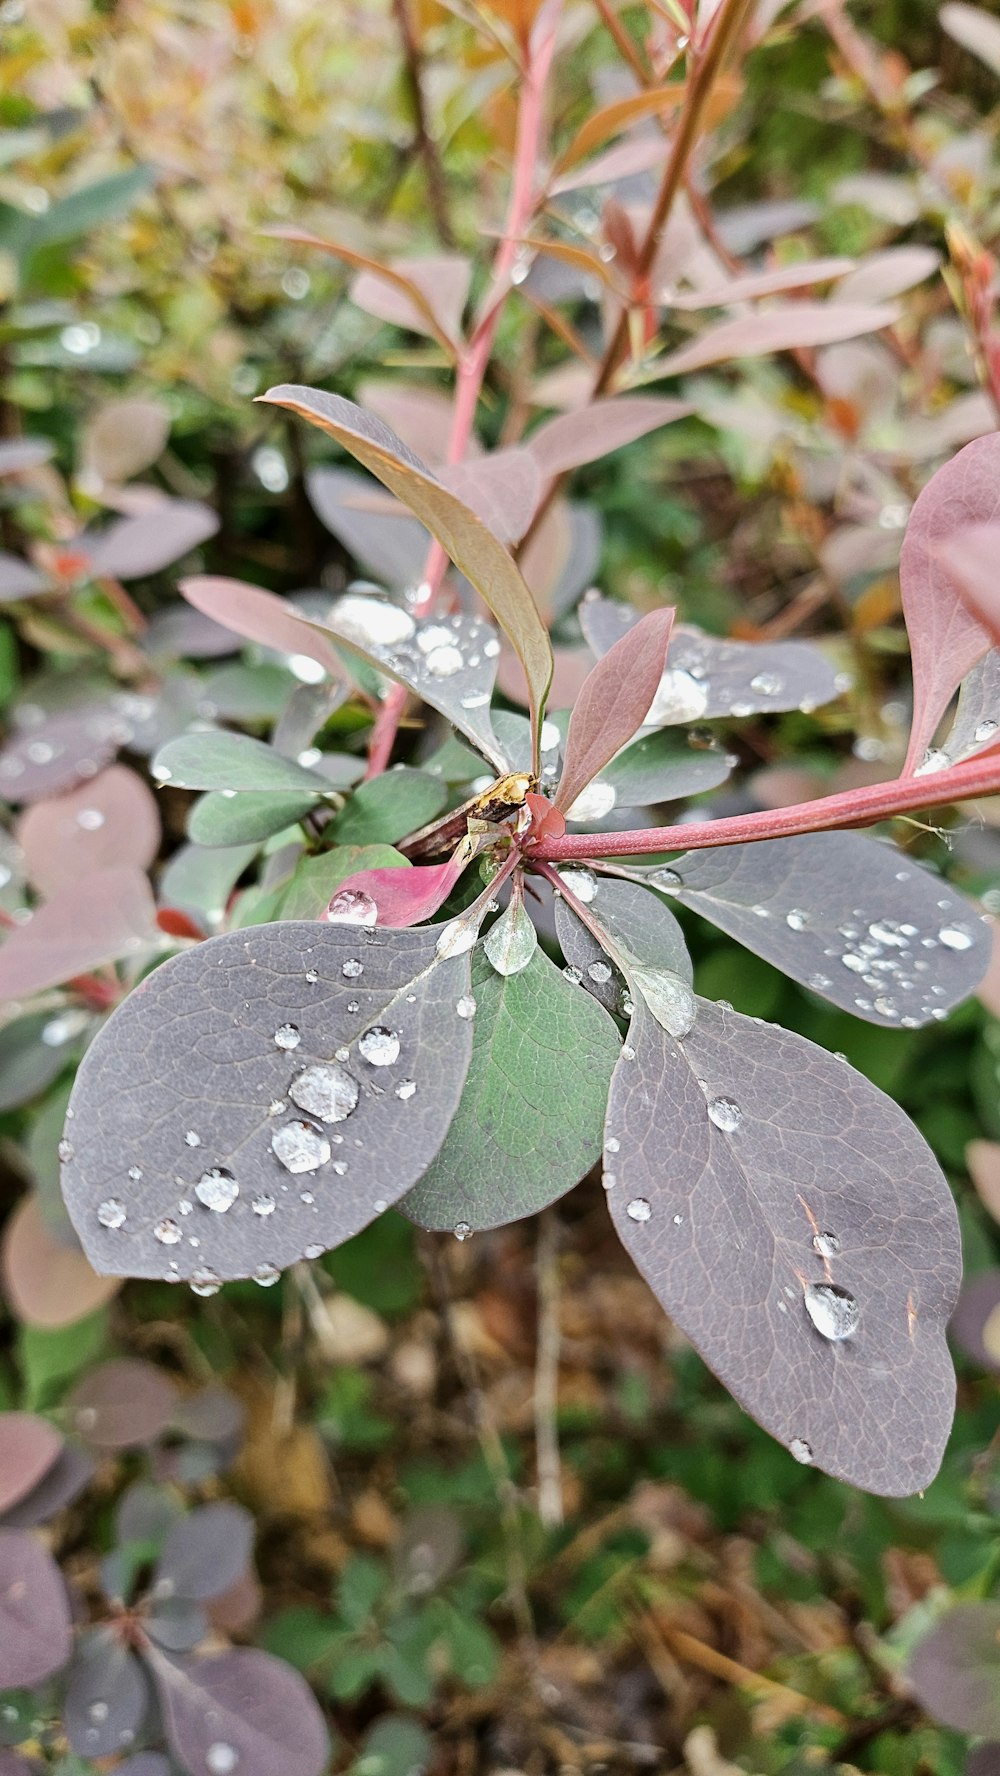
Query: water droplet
(135, 1173)
(466, 1006)
(267, 1275)
(796, 919)
(599, 973)
(801, 1450)
(263, 1204)
(191, 1139)
(612, 1145)
(312, 976)
(90, 819)
(287, 1036)
(167, 1232)
(726, 1114)
(205, 1282)
(954, 938)
(352, 906)
(679, 698)
(221, 1759)
(444, 662)
(549, 737)
(406, 1089)
(300, 1146)
(638, 1209)
(379, 1046)
(768, 683)
(372, 622)
(98, 1711)
(665, 878)
(933, 760)
(581, 882)
(217, 1189)
(352, 968)
(826, 1244)
(111, 1213)
(434, 635)
(326, 1090)
(986, 730)
(832, 1310)
(65, 1150)
(594, 802)
(462, 1230)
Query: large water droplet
(221, 1759)
(65, 1150)
(287, 1036)
(600, 973)
(726, 1114)
(111, 1213)
(267, 1275)
(462, 1230)
(594, 802)
(832, 1310)
(768, 683)
(352, 906)
(352, 968)
(372, 622)
(796, 919)
(217, 1189)
(90, 819)
(434, 635)
(167, 1232)
(826, 1244)
(638, 1209)
(801, 1450)
(263, 1204)
(379, 1046)
(444, 662)
(679, 698)
(300, 1146)
(954, 938)
(326, 1090)
(466, 1006)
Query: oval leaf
(107, 916)
(131, 548)
(613, 703)
(35, 1627)
(955, 1670)
(230, 761)
(206, 1552)
(259, 616)
(244, 1702)
(106, 1697)
(113, 820)
(46, 1282)
(29, 1447)
(123, 1404)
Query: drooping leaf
(46, 1282)
(572, 439)
(853, 919)
(528, 1124)
(955, 1668)
(621, 114)
(473, 548)
(614, 703)
(131, 548)
(388, 807)
(945, 638)
(35, 1627)
(29, 1447)
(889, 273)
(122, 1404)
(786, 328)
(221, 818)
(107, 916)
(106, 1696)
(796, 1226)
(207, 1551)
(260, 616)
(112, 820)
(707, 677)
(220, 760)
(222, 1071)
(243, 1701)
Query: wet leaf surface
(106, 1698)
(231, 761)
(244, 1701)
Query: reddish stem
(853, 807)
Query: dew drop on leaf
(379, 1046)
(111, 1213)
(352, 968)
(192, 1139)
(832, 1310)
(444, 662)
(954, 938)
(768, 683)
(267, 1275)
(462, 1230)
(801, 1450)
(90, 819)
(826, 1244)
(638, 1209)
(326, 1090)
(167, 1232)
(593, 803)
(679, 698)
(205, 1282)
(796, 919)
(466, 1006)
(600, 973)
(369, 622)
(726, 1114)
(221, 1759)
(580, 882)
(263, 1205)
(406, 1089)
(65, 1150)
(286, 1036)
(217, 1189)
(300, 1146)
(352, 906)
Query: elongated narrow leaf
(753, 284)
(621, 114)
(107, 916)
(573, 439)
(264, 1096)
(473, 548)
(529, 1123)
(707, 677)
(796, 1226)
(399, 896)
(946, 639)
(246, 817)
(35, 1629)
(614, 703)
(955, 1669)
(221, 760)
(260, 616)
(850, 917)
(29, 1447)
(975, 29)
(788, 328)
(112, 820)
(450, 663)
(106, 1697)
(241, 1705)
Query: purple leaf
(614, 703)
(106, 1696)
(503, 489)
(955, 1669)
(12, 1764)
(131, 548)
(18, 579)
(46, 1282)
(241, 1710)
(177, 1624)
(375, 529)
(402, 896)
(107, 916)
(61, 1485)
(266, 1095)
(260, 616)
(123, 1404)
(707, 677)
(787, 328)
(642, 930)
(145, 1763)
(213, 1415)
(797, 1228)
(112, 820)
(754, 284)
(850, 917)
(35, 1627)
(887, 274)
(145, 1513)
(207, 1551)
(945, 638)
(573, 439)
(442, 281)
(975, 1324)
(969, 559)
(29, 1447)
(65, 748)
(177, 633)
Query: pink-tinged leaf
(970, 559)
(422, 417)
(792, 327)
(29, 1447)
(614, 703)
(35, 1626)
(13, 1764)
(983, 1161)
(130, 548)
(47, 1283)
(19, 455)
(64, 1482)
(67, 746)
(620, 162)
(113, 820)
(888, 274)
(799, 1231)
(502, 489)
(945, 638)
(955, 1669)
(442, 282)
(975, 29)
(108, 916)
(394, 279)
(573, 439)
(18, 579)
(122, 1404)
(262, 617)
(397, 896)
(754, 284)
(975, 1323)
(242, 1702)
(124, 437)
(374, 528)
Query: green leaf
(363, 1581)
(218, 819)
(302, 1635)
(530, 1118)
(395, 1746)
(353, 1671)
(50, 1360)
(315, 880)
(85, 209)
(472, 547)
(230, 761)
(389, 807)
